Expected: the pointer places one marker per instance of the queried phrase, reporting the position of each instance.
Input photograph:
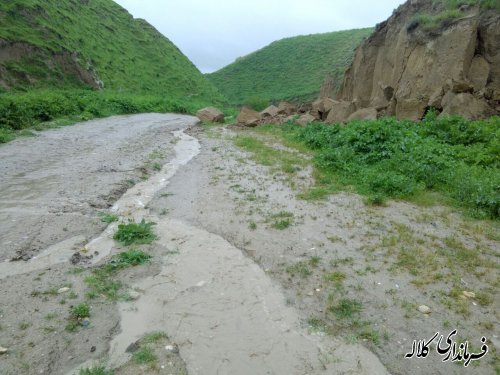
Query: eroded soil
(244, 278)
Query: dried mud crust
(378, 259)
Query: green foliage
(346, 308)
(300, 268)
(144, 355)
(257, 103)
(107, 217)
(139, 233)
(129, 258)
(80, 311)
(99, 36)
(398, 159)
(23, 110)
(292, 68)
(100, 370)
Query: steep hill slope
(442, 54)
(291, 68)
(96, 43)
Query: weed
(50, 316)
(300, 268)
(154, 337)
(336, 277)
(316, 325)
(80, 311)
(144, 355)
(282, 220)
(252, 225)
(108, 217)
(346, 308)
(24, 326)
(140, 233)
(314, 261)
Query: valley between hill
(236, 269)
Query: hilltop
(291, 68)
(74, 43)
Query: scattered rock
(340, 112)
(172, 348)
(469, 294)
(322, 107)
(424, 309)
(210, 114)
(93, 349)
(305, 119)
(3, 350)
(479, 72)
(271, 111)
(411, 109)
(465, 105)
(435, 99)
(85, 322)
(133, 295)
(63, 290)
(364, 114)
(248, 117)
(460, 86)
(132, 348)
(285, 108)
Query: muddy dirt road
(245, 278)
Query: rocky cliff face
(426, 56)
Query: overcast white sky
(213, 33)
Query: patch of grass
(80, 311)
(314, 261)
(144, 355)
(300, 268)
(336, 277)
(153, 337)
(102, 281)
(108, 217)
(252, 225)
(282, 220)
(317, 325)
(346, 308)
(138, 233)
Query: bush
(397, 159)
(257, 103)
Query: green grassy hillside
(292, 68)
(55, 54)
(126, 54)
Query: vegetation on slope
(292, 68)
(387, 158)
(49, 45)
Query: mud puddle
(226, 315)
(132, 205)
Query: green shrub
(398, 159)
(256, 103)
(140, 233)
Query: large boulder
(285, 108)
(363, 114)
(305, 119)
(479, 72)
(271, 111)
(340, 111)
(411, 109)
(322, 107)
(210, 114)
(465, 105)
(248, 117)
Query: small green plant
(346, 308)
(300, 268)
(336, 277)
(314, 261)
(252, 225)
(131, 257)
(154, 337)
(108, 217)
(80, 311)
(316, 325)
(282, 220)
(139, 233)
(144, 355)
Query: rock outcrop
(405, 67)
